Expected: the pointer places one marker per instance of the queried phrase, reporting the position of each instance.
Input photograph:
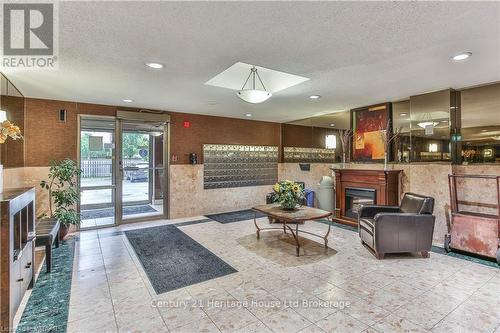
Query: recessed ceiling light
(248, 114)
(155, 65)
(403, 114)
(315, 97)
(461, 56)
(332, 125)
(128, 100)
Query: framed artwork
(367, 122)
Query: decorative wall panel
(239, 165)
(308, 155)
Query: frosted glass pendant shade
(254, 96)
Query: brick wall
(47, 139)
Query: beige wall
(188, 198)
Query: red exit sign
(186, 124)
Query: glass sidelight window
(97, 181)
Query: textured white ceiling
(355, 53)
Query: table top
(303, 213)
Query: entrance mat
(110, 212)
(236, 216)
(172, 259)
(48, 305)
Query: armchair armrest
(403, 232)
(370, 211)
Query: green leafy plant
(63, 193)
(288, 194)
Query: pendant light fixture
(253, 95)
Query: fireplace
(354, 187)
(355, 197)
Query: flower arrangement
(9, 130)
(345, 138)
(468, 155)
(288, 194)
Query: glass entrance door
(123, 165)
(141, 165)
(97, 181)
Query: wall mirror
(429, 121)
(480, 114)
(12, 102)
(315, 139)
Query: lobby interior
(140, 173)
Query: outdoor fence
(102, 167)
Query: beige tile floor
(342, 290)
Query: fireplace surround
(355, 187)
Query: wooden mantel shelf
(385, 183)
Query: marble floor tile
(257, 327)
(340, 322)
(420, 315)
(204, 325)
(100, 322)
(366, 312)
(286, 321)
(397, 324)
(314, 309)
(232, 318)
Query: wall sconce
(330, 141)
(433, 148)
(193, 158)
(488, 152)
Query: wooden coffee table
(296, 216)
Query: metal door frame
(117, 186)
(141, 117)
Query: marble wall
(188, 198)
(29, 177)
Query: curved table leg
(327, 233)
(295, 236)
(297, 239)
(256, 226)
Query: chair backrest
(417, 204)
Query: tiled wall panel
(239, 165)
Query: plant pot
(289, 207)
(63, 231)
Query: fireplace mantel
(385, 183)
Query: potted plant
(288, 194)
(63, 194)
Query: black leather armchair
(395, 229)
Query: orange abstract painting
(367, 124)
